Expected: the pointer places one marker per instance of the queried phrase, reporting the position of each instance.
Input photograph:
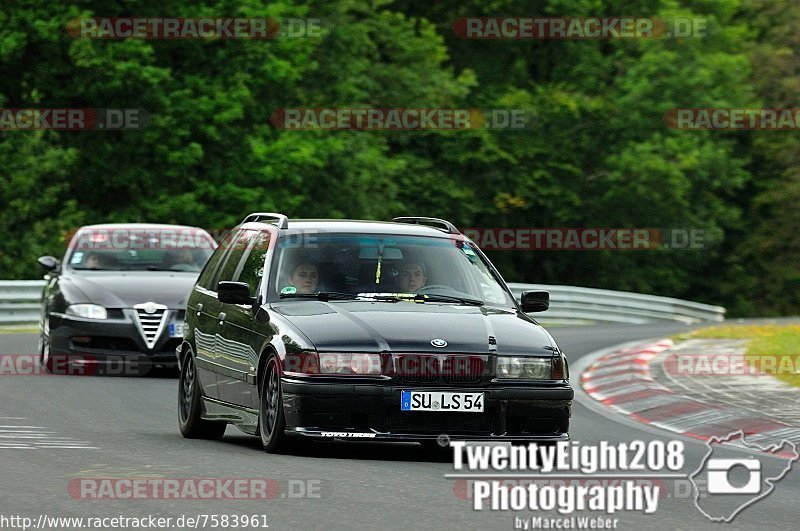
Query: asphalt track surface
(127, 427)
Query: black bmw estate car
(115, 304)
(365, 330)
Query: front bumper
(111, 346)
(369, 411)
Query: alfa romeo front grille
(151, 318)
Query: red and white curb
(623, 382)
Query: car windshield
(141, 250)
(389, 268)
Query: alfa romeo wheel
(45, 361)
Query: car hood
(123, 289)
(410, 327)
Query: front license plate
(441, 401)
(176, 330)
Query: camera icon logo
(726, 484)
(719, 476)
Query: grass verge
(774, 349)
(19, 329)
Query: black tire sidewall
(193, 417)
(44, 343)
(276, 439)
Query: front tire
(190, 420)
(45, 361)
(271, 420)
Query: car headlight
(88, 311)
(345, 363)
(524, 367)
(333, 363)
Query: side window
(253, 266)
(229, 270)
(212, 265)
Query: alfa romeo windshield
(140, 250)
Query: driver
(411, 276)
(94, 261)
(304, 277)
(181, 258)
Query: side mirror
(48, 263)
(535, 301)
(234, 293)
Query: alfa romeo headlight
(524, 367)
(87, 311)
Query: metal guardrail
(572, 304)
(20, 303)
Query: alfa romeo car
(335, 329)
(115, 304)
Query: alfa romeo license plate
(176, 330)
(441, 401)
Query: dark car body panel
(313, 407)
(364, 326)
(123, 289)
(232, 342)
(113, 340)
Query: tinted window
(253, 266)
(141, 249)
(364, 264)
(211, 267)
(230, 269)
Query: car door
(243, 331)
(230, 354)
(204, 306)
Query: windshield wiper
(147, 268)
(321, 295)
(422, 297)
(435, 297)
(394, 297)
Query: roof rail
(279, 219)
(438, 223)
